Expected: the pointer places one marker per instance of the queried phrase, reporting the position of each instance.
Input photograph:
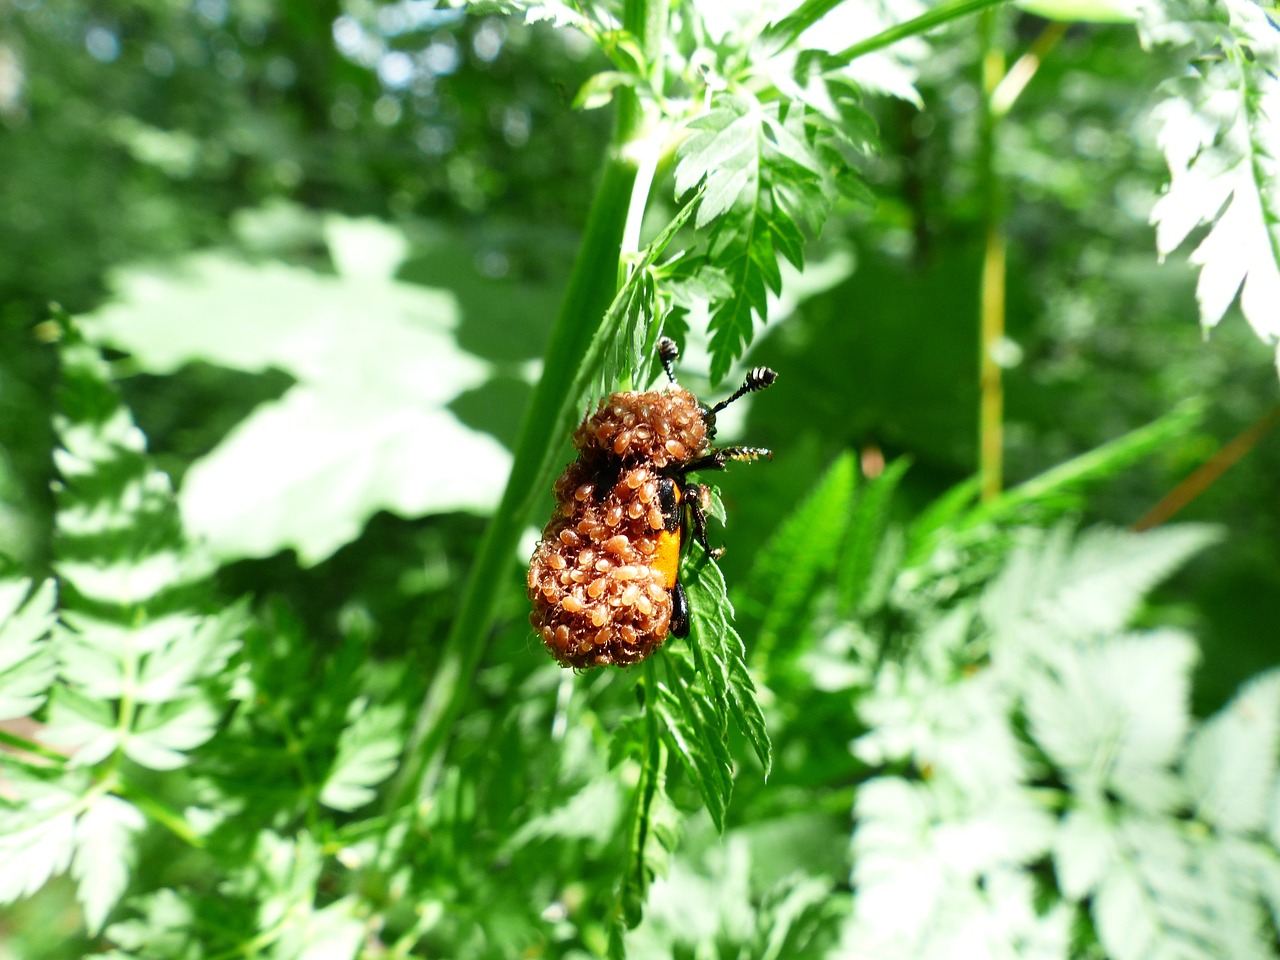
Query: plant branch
(1208, 472)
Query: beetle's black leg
(679, 611)
(695, 495)
(716, 459)
(746, 453)
(668, 353)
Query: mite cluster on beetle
(604, 578)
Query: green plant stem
(30, 746)
(592, 285)
(162, 815)
(1011, 85)
(805, 16)
(936, 17)
(992, 287)
(591, 288)
(1100, 462)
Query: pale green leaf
(366, 427)
(37, 840)
(1113, 716)
(163, 733)
(1152, 903)
(1219, 133)
(1087, 587)
(334, 932)
(368, 751)
(105, 848)
(1231, 762)
(364, 249)
(27, 665)
(1084, 849)
(724, 149)
(85, 726)
(308, 470)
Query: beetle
(604, 579)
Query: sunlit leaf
(366, 426)
(104, 840)
(367, 754)
(1231, 761)
(1113, 716)
(27, 665)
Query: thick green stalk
(591, 288)
(593, 283)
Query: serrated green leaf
(695, 737)
(27, 665)
(1113, 715)
(37, 841)
(1083, 851)
(1151, 903)
(724, 149)
(190, 649)
(800, 550)
(164, 733)
(1088, 587)
(86, 726)
(743, 249)
(862, 549)
(1219, 136)
(1231, 761)
(104, 840)
(723, 663)
(368, 751)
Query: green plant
(285, 775)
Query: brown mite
(604, 579)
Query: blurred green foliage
(314, 251)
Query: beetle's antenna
(757, 379)
(668, 353)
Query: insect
(604, 579)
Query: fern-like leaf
(803, 548)
(27, 666)
(1220, 132)
(1231, 761)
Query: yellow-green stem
(992, 305)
